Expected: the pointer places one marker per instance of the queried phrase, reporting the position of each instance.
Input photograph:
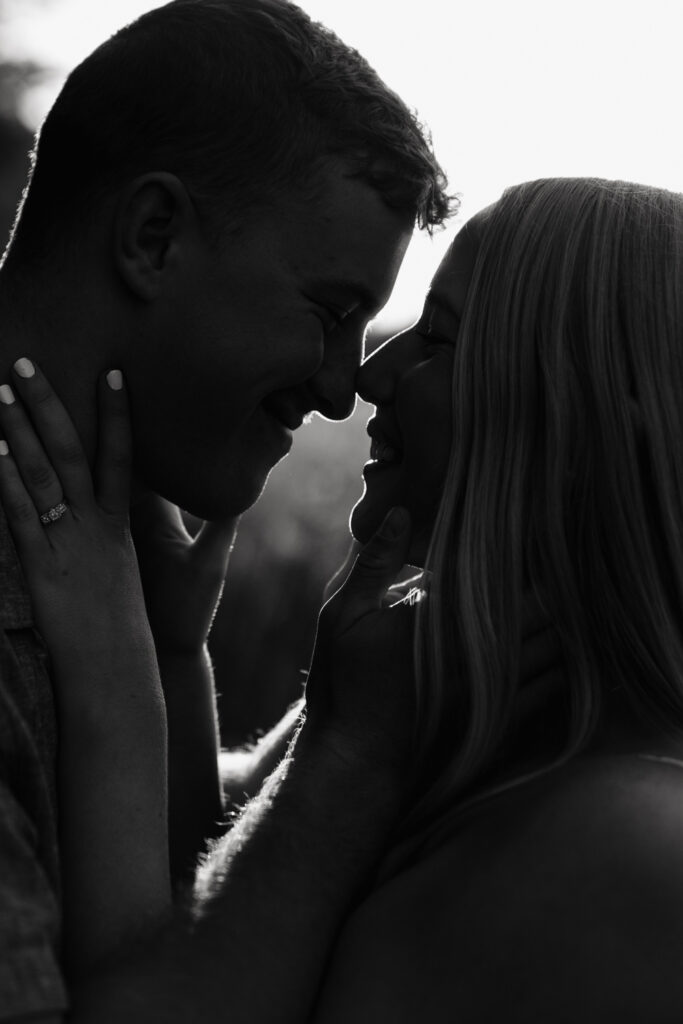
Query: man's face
(255, 337)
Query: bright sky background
(511, 89)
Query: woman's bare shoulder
(608, 829)
(632, 800)
(562, 899)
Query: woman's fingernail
(4, 448)
(115, 380)
(6, 394)
(24, 367)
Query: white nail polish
(24, 367)
(4, 448)
(115, 380)
(6, 394)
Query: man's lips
(287, 414)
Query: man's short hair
(244, 100)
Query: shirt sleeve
(31, 980)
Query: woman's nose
(376, 378)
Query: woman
(530, 424)
(557, 315)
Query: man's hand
(182, 577)
(182, 580)
(360, 693)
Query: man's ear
(155, 219)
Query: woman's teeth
(380, 451)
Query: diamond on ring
(54, 513)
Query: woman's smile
(409, 380)
(384, 449)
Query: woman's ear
(155, 218)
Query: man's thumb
(383, 556)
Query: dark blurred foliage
(15, 143)
(289, 544)
(16, 77)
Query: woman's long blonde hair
(565, 478)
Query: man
(220, 201)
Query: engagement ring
(54, 513)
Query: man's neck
(51, 325)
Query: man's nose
(334, 383)
(376, 378)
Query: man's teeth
(380, 451)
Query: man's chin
(206, 500)
(223, 505)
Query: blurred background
(511, 91)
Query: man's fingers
(409, 591)
(113, 444)
(381, 559)
(337, 581)
(214, 542)
(154, 519)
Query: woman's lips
(382, 451)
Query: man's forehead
(354, 244)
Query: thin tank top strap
(452, 819)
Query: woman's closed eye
(435, 339)
(440, 331)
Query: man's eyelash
(335, 313)
(338, 314)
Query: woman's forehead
(455, 270)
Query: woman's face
(409, 380)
